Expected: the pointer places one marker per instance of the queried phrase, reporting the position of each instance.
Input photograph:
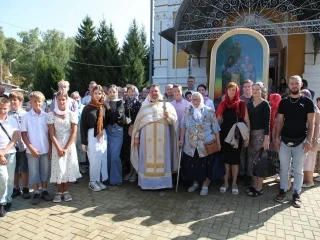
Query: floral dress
(196, 164)
(63, 169)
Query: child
(63, 130)
(9, 134)
(34, 132)
(94, 138)
(16, 99)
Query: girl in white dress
(64, 162)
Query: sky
(67, 15)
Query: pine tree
(108, 53)
(81, 74)
(133, 53)
(113, 53)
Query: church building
(186, 30)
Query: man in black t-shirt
(295, 127)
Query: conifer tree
(113, 53)
(80, 73)
(108, 54)
(133, 53)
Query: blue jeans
(38, 168)
(6, 178)
(115, 139)
(298, 158)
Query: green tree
(101, 53)
(28, 56)
(113, 58)
(48, 74)
(13, 48)
(3, 48)
(56, 47)
(133, 54)
(80, 74)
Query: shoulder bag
(17, 149)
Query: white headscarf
(197, 110)
(58, 111)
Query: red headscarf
(236, 103)
(275, 99)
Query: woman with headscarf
(62, 125)
(207, 101)
(131, 109)
(259, 115)
(310, 162)
(198, 127)
(115, 120)
(231, 111)
(94, 138)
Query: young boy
(16, 100)
(9, 134)
(34, 132)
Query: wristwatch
(308, 142)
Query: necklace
(295, 101)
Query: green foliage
(133, 54)
(14, 48)
(48, 74)
(3, 48)
(85, 48)
(113, 58)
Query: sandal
(57, 197)
(255, 193)
(204, 191)
(308, 185)
(193, 188)
(235, 190)
(223, 188)
(67, 197)
(250, 189)
(296, 202)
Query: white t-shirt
(37, 130)
(209, 103)
(11, 126)
(86, 100)
(18, 116)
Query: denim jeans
(6, 178)
(115, 139)
(298, 158)
(39, 168)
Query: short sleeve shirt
(295, 113)
(11, 126)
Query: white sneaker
(101, 185)
(94, 187)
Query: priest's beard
(294, 92)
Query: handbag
(265, 165)
(292, 142)
(212, 147)
(17, 148)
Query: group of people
(124, 135)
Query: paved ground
(126, 212)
